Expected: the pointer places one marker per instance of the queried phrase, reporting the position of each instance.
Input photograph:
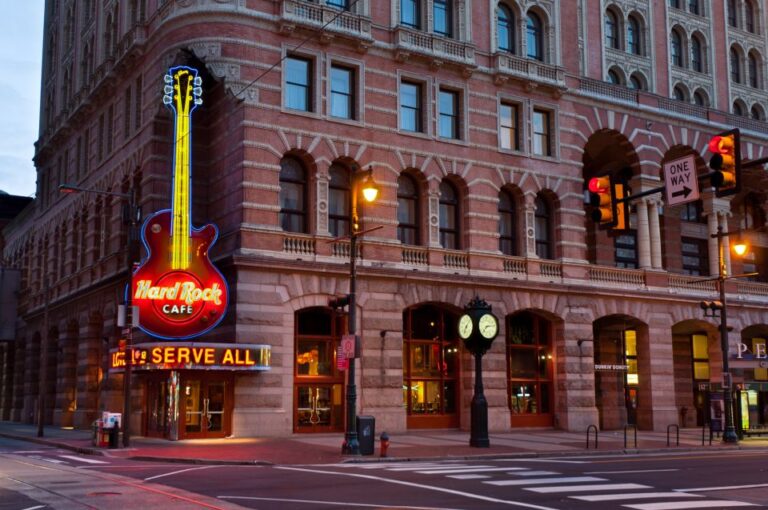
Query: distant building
(482, 122)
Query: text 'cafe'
(177, 294)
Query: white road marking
(54, 461)
(82, 459)
(636, 495)
(724, 488)
(585, 488)
(334, 503)
(629, 472)
(468, 477)
(548, 461)
(420, 486)
(465, 470)
(416, 467)
(678, 505)
(177, 472)
(21, 452)
(534, 473)
(34, 507)
(543, 481)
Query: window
(696, 55)
(756, 113)
(752, 214)
(749, 16)
(542, 144)
(759, 346)
(535, 37)
(449, 217)
(695, 259)
(448, 123)
(137, 104)
(293, 196)
(679, 93)
(700, 355)
(636, 83)
(507, 223)
(529, 364)
(127, 109)
(754, 71)
(342, 92)
(298, 84)
(613, 77)
(611, 30)
(407, 210)
(630, 355)
(699, 98)
(508, 126)
(341, 4)
(693, 7)
(625, 247)
(339, 208)
(633, 36)
(505, 28)
(732, 18)
(737, 109)
(674, 3)
(692, 211)
(441, 10)
(676, 48)
(543, 228)
(735, 66)
(411, 109)
(410, 13)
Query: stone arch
(696, 357)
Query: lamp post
(133, 217)
(351, 445)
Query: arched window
(733, 19)
(611, 30)
(507, 223)
(679, 93)
(505, 28)
(614, 77)
(543, 228)
(700, 98)
(674, 3)
(293, 196)
(535, 37)
(449, 217)
(339, 208)
(633, 36)
(735, 66)
(749, 16)
(754, 71)
(697, 60)
(676, 48)
(636, 83)
(737, 109)
(407, 210)
(757, 113)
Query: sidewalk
(326, 448)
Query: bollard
(384, 444)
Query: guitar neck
(180, 223)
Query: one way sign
(681, 181)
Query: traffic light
(726, 163)
(609, 199)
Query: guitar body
(178, 303)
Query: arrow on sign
(683, 192)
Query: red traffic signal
(726, 163)
(601, 198)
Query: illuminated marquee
(199, 356)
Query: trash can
(114, 437)
(366, 434)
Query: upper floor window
(752, 213)
(342, 92)
(735, 66)
(298, 84)
(449, 216)
(448, 124)
(692, 211)
(411, 107)
(543, 229)
(700, 355)
(407, 210)
(535, 37)
(410, 13)
(635, 83)
(613, 77)
(508, 126)
(732, 13)
(676, 48)
(757, 113)
(293, 195)
(507, 223)
(737, 109)
(505, 28)
(749, 16)
(339, 208)
(754, 71)
(674, 3)
(341, 4)
(695, 256)
(542, 135)
(679, 93)
(693, 7)
(696, 55)
(633, 36)
(611, 30)
(700, 98)
(443, 21)
(625, 247)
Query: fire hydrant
(384, 439)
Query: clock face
(465, 326)
(488, 326)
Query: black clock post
(478, 328)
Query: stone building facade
(481, 122)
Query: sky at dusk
(21, 43)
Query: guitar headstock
(183, 89)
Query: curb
(50, 442)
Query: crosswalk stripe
(81, 459)
(542, 481)
(679, 505)
(635, 495)
(587, 488)
(533, 473)
(434, 466)
(468, 477)
(466, 470)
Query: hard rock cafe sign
(178, 291)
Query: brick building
(481, 122)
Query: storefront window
(630, 346)
(529, 355)
(758, 345)
(700, 357)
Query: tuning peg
(168, 89)
(198, 81)
(168, 78)
(167, 100)
(198, 91)
(198, 101)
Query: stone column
(433, 198)
(18, 380)
(31, 379)
(643, 235)
(88, 376)
(530, 226)
(575, 406)
(322, 204)
(655, 231)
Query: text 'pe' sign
(681, 180)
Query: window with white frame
(298, 78)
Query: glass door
(207, 405)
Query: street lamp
(370, 191)
(133, 218)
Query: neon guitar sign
(179, 292)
